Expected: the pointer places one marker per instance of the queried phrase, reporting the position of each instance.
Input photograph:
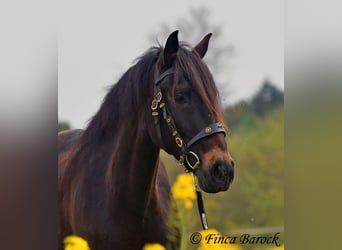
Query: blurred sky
(98, 41)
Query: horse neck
(134, 168)
(133, 165)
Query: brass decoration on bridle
(208, 130)
(179, 142)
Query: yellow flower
(183, 189)
(153, 246)
(73, 242)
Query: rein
(160, 111)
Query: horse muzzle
(216, 173)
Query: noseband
(159, 110)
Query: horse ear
(202, 47)
(171, 48)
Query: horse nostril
(232, 163)
(220, 171)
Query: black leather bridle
(159, 110)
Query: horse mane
(124, 98)
(127, 95)
(125, 101)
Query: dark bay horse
(113, 190)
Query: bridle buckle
(197, 163)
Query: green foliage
(256, 198)
(267, 98)
(234, 115)
(63, 126)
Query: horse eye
(180, 98)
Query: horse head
(187, 118)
